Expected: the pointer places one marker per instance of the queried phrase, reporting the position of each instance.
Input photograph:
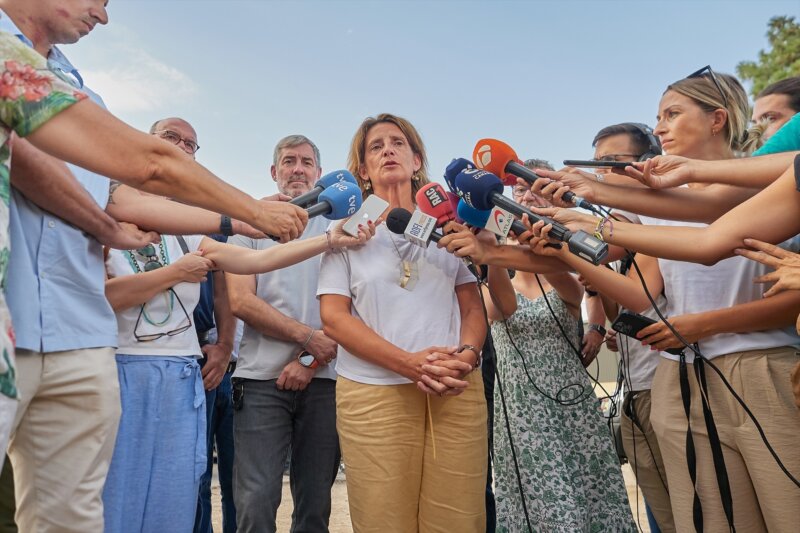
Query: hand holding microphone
(483, 190)
(500, 159)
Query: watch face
(306, 359)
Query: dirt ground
(340, 513)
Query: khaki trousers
(394, 482)
(66, 427)
(644, 455)
(764, 499)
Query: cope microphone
(337, 176)
(500, 159)
(339, 200)
(432, 200)
(483, 190)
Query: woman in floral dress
(569, 473)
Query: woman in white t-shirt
(411, 414)
(160, 450)
(750, 339)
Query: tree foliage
(781, 61)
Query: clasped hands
(440, 370)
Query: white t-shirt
(426, 316)
(164, 307)
(695, 288)
(292, 291)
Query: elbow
(152, 169)
(507, 309)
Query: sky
(543, 76)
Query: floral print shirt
(30, 95)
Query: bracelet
(226, 225)
(305, 344)
(598, 231)
(478, 360)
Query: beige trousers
(764, 499)
(66, 427)
(394, 481)
(644, 456)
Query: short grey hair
(290, 141)
(538, 163)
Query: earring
(714, 132)
(415, 176)
(367, 185)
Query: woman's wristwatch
(598, 328)
(470, 347)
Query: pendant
(409, 275)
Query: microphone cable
(714, 367)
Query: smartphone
(372, 208)
(631, 324)
(593, 163)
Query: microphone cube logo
(499, 221)
(483, 156)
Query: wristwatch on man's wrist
(598, 328)
(226, 225)
(470, 347)
(307, 359)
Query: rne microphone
(483, 190)
(500, 159)
(337, 176)
(339, 200)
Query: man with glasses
(284, 383)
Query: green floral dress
(30, 95)
(569, 471)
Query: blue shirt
(56, 276)
(786, 139)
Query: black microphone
(482, 190)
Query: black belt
(231, 367)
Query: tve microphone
(339, 200)
(500, 159)
(497, 220)
(483, 190)
(452, 170)
(306, 199)
(432, 200)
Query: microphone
(432, 200)
(500, 159)
(452, 170)
(454, 200)
(339, 200)
(420, 229)
(308, 198)
(483, 190)
(497, 220)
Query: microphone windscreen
(477, 186)
(493, 156)
(335, 177)
(397, 220)
(452, 170)
(433, 201)
(344, 198)
(473, 216)
(454, 201)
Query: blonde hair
(705, 93)
(355, 159)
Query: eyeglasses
(175, 138)
(153, 336)
(701, 73)
(519, 190)
(151, 259)
(617, 157)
